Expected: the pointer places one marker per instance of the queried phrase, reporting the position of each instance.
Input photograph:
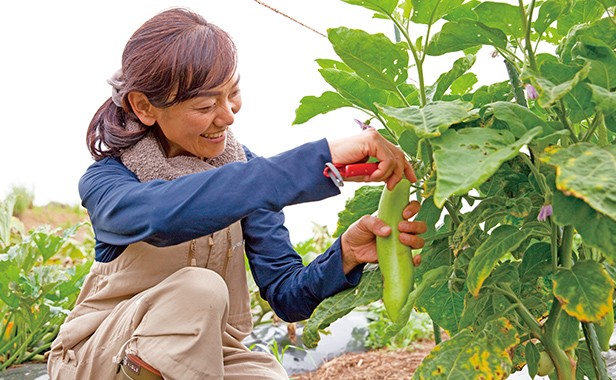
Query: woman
(176, 202)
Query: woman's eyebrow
(212, 92)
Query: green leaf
(376, 59)
(602, 30)
(311, 106)
(408, 141)
(6, 216)
(501, 16)
(472, 354)
(596, 229)
(332, 64)
(463, 34)
(477, 311)
(551, 92)
(47, 242)
(434, 254)
(500, 91)
(568, 332)
(510, 180)
(582, 12)
(588, 172)
(443, 304)
(465, 159)
(464, 11)
(602, 60)
(514, 117)
(536, 263)
(605, 102)
(463, 84)
(384, 7)
(548, 13)
(365, 201)
(503, 240)
(460, 66)
(369, 289)
(429, 214)
(584, 291)
(431, 120)
(532, 358)
(493, 208)
(428, 279)
(354, 89)
(429, 11)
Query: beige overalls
(183, 309)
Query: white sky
(56, 56)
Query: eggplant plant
(517, 177)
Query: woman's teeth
(213, 135)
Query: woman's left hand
(359, 240)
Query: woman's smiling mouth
(214, 136)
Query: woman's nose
(226, 114)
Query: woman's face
(198, 126)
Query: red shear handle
(353, 170)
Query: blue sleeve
(292, 289)
(124, 210)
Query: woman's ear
(142, 107)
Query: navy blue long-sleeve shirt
(163, 213)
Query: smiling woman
(177, 203)
(68, 51)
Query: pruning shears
(339, 172)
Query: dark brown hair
(171, 58)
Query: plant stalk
(560, 112)
(597, 121)
(526, 21)
(418, 61)
(514, 80)
(437, 333)
(595, 351)
(566, 248)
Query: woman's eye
(207, 108)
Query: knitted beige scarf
(148, 161)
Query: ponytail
(107, 134)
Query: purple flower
(362, 125)
(544, 213)
(531, 91)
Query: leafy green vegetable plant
(36, 289)
(517, 177)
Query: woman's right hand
(393, 165)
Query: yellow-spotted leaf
(472, 354)
(465, 159)
(503, 240)
(588, 172)
(585, 291)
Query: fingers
(410, 229)
(411, 210)
(411, 240)
(374, 225)
(393, 164)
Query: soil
(56, 215)
(372, 365)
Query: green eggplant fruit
(395, 258)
